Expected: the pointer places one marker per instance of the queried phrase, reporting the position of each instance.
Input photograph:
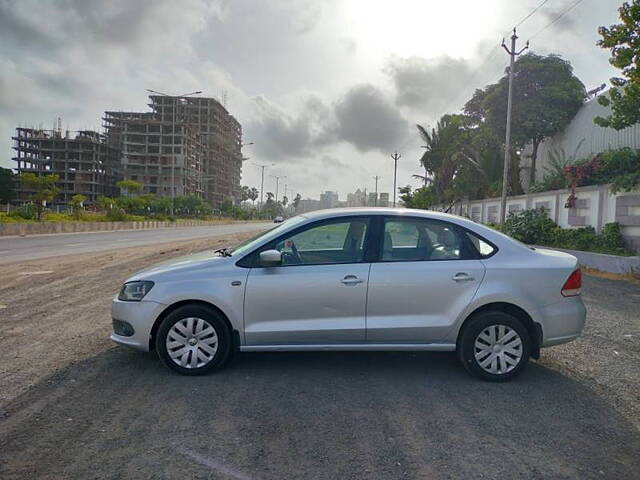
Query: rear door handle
(462, 277)
(351, 280)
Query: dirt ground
(56, 311)
(74, 405)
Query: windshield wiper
(225, 252)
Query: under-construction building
(184, 145)
(84, 162)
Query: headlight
(134, 291)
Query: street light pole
(507, 143)
(396, 156)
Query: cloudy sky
(326, 89)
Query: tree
(7, 185)
(77, 204)
(546, 97)
(253, 194)
(447, 153)
(129, 186)
(44, 187)
(245, 193)
(623, 40)
(296, 201)
(285, 200)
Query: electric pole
(376, 178)
(507, 143)
(277, 177)
(396, 156)
(262, 180)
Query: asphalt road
(76, 406)
(15, 249)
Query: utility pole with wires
(262, 167)
(376, 178)
(278, 177)
(396, 156)
(507, 143)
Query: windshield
(264, 237)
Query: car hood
(196, 261)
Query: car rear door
(318, 294)
(425, 275)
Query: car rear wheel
(494, 346)
(193, 340)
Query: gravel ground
(73, 405)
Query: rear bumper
(141, 316)
(562, 322)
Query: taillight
(572, 286)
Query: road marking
(75, 244)
(5, 251)
(36, 272)
(214, 465)
(123, 239)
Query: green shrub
(533, 227)
(116, 215)
(26, 212)
(620, 168)
(530, 226)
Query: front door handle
(462, 277)
(351, 280)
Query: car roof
(409, 212)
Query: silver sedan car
(358, 279)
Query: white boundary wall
(595, 206)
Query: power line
(530, 14)
(563, 13)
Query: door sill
(353, 347)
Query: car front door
(425, 276)
(318, 294)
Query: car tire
(193, 340)
(494, 346)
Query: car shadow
(312, 415)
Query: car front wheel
(193, 340)
(494, 346)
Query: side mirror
(270, 258)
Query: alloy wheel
(192, 342)
(498, 349)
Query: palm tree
(449, 149)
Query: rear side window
(484, 249)
(418, 239)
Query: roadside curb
(12, 230)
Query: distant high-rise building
(329, 200)
(383, 200)
(372, 200)
(308, 205)
(356, 199)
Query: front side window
(327, 243)
(417, 239)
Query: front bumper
(141, 316)
(563, 322)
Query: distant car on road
(278, 219)
(358, 279)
